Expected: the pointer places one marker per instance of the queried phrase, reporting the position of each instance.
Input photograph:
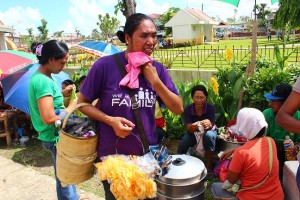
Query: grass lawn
(209, 56)
(245, 43)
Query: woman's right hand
(122, 126)
(67, 91)
(226, 154)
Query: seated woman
(254, 164)
(199, 113)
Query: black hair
(199, 88)
(81, 79)
(131, 24)
(51, 49)
(68, 82)
(261, 133)
(33, 46)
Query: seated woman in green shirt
(277, 98)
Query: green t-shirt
(41, 86)
(275, 131)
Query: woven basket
(75, 156)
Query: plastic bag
(198, 148)
(130, 177)
(221, 170)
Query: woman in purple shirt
(117, 126)
(198, 115)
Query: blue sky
(67, 15)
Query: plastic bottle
(63, 114)
(288, 148)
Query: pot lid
(184, 168)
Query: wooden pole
(251, 66)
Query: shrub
(267, 75)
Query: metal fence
(210, 58)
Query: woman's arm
(46, 108)
(285, 118)
(47, 111)
(172, 101)
(120, 125)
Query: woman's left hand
(206, 124)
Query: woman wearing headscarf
(254, 164)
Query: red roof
(154, 16)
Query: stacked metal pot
(185, 179)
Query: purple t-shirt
(296, 86)
(102, 83)
(190, 114)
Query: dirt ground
(33, 155)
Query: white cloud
(84, 14)
(152, 7)
(21, 18)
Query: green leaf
(278, 56)
(237, 88)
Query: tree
(77, 32)
(108, 25)
(262, 14)
(58, 34)
(287, 16)
(288, 13)
(29, 30)
(43, 37)
(247, 20)
(127, 7)
(230, 20)
(95, 34)
(166, 16)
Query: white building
(4, 29)
(191, 25)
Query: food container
(185, 179)
(229, 145)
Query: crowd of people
(120, 131)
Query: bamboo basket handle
(72, 110)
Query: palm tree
(262, 14)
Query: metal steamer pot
(185, 179)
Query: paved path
(18, 182)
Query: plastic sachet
(163, 158)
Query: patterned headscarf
(249, 122)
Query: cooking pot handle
(178, 162)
